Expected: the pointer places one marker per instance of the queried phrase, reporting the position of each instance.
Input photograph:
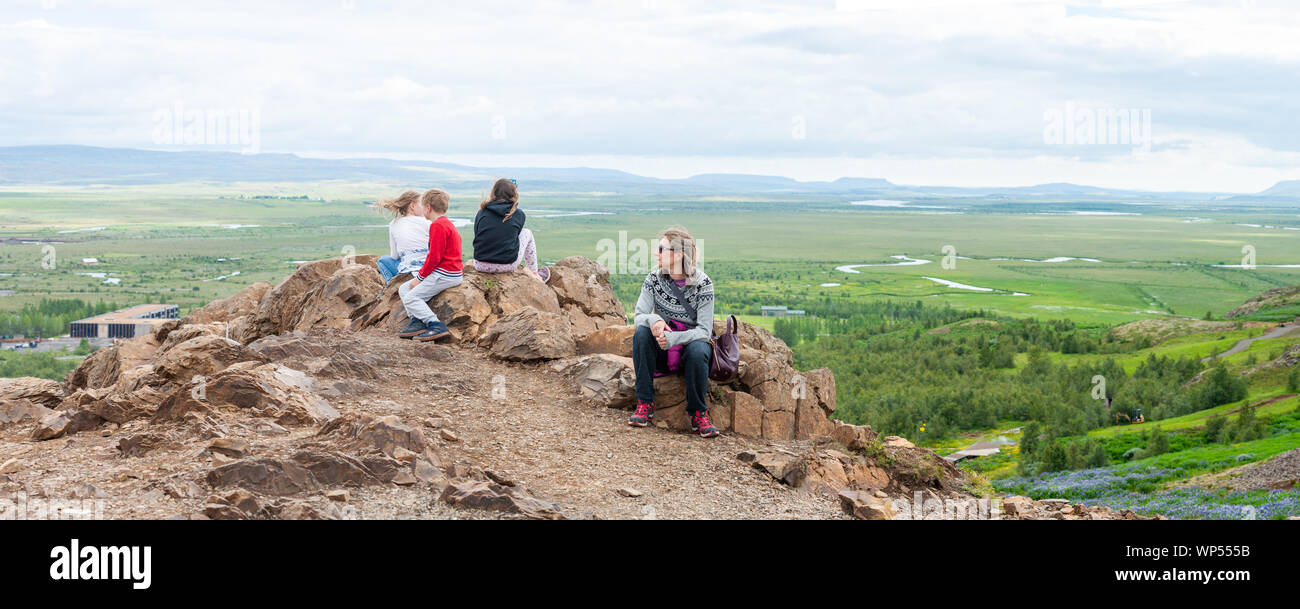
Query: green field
(184, 243)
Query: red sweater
(444, 250)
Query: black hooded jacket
(496, 241)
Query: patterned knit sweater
(657, 303)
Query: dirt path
(1280, 472)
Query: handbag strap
(677, 293)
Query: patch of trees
(50, 317)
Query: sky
(1143, 94)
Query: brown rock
(141, 444)
(784, 466)
(866, 476)
(200, 356)
(866, 506)
(488, 496)
(403, 455)
(101, 368)
(584, 291)
(614, 340)
(266, 475)
(602, 379)
(340, 495)
(15, 411)
(853, 437)
(720, 411)
(746, 414)
(385, 434)
(116, 407)
(332, 303)
(825, 476)
(292, 347)
(778, 425)
(42, 392)
(65, 422)
(897, 442)
(528, 334)
(821, 385)
(230, 447)
(319, 293)
(242, 303)
(178, 333)
(510, 292)
(809, 421)
(426, 472)
(268, 391)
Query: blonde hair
(679, 239)
(401, 205)
(436, 200)
(503, 190)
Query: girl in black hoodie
(500, 240)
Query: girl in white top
(408, 235)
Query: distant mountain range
(87, 165)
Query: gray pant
(417, 299)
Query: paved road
(1242, 344)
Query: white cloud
(918, 92)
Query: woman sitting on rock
(500, 240)
(674, 322)
(408, 235)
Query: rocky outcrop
(1272, 299)
(770, 399)
(527, 334)
(244, 302)
(268, 391)
(101, 368)
(583, 290)
(17, 411)
(579, 294)
(861, 472)
(322, 293)
(38, 391)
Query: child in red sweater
(442, 269)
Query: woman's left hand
(412, 284)
(663, 339)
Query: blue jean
(387, 267)
(648, 356)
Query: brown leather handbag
(724, 366)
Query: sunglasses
(512, 181)
(671, 249)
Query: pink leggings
(527, 255)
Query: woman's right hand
(658, 328)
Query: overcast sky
(915, 91)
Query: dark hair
(503, 190)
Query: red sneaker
(645, 413)
(701, 423)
